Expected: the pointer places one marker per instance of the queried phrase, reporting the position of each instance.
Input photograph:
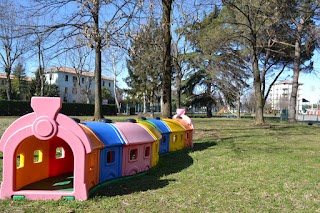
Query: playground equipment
(227, 110)
(49, 156)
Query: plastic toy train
(49, 156)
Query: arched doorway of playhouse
(44, 165)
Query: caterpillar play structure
(49, 156)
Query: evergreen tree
(50, 90)
(218, 75)
(19, 83)
(145, 63)
(35, 85)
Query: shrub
(19, 108)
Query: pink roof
(133, 133)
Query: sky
(311, 82)
(310, 87)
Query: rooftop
(74, 71)
(285, 82)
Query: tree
(248, 102)
(107, 95)
(50, 90)
(251, 25)
(114, 57)
(19, 82)
(167, 60)
(12, 41)
(145, 63)
(79, 57)
(221, 75)
(101, 22)
(299, 22)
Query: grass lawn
(233, 167)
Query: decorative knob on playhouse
(45, 127)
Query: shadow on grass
(154, 178)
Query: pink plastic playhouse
(42, 145)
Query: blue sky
(311, 82)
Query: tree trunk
(41, 81)
(152, 104)
(97, 69)
(167, 72)
(97, 88)
(209, 110)
(295, 80)
(144, 103)
(178, 85)
(40, 69)
(115, 95)
(9, 86)
(178, 74)
(239, 105)
(259, 119)
(115, 82)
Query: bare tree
(102, 22)
(80, 57)
(254, 25)
(114, 57)
(11, 40)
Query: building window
(66, 90)
(103, 83)
(147, 151)
(74, 90)
(174, 138)
(163, 141)
(74, 78)
(133, 154)
(20, 161)
(110, 157)
(3, 82)
(109, 84)
(82, 80)
(60, 153)
(37, 156)
(66, 78)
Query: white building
(76, 86)
(280, 94)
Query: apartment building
(74, 85)
(3, 80)
(280, 94)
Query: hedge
(19, 108)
